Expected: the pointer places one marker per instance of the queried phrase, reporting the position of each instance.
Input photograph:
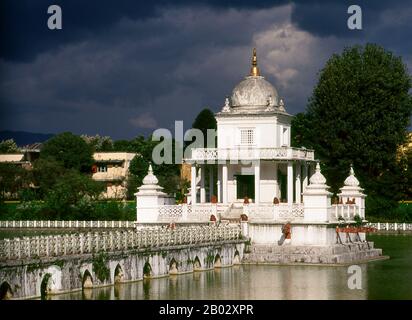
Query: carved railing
(345, 211)
(281, 153)
(390, 226)
(187, 212)
(282, 211)
(112, 241)
(70, 224)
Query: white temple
(263, 184)
(253, 149)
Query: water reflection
(238, 283)
(390, 279)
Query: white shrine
(263, 184)
(253, 149)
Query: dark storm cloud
(157, 70)
(123, 68)
(25, 33)
(327, 18)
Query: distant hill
(23, 138)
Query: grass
(35, 210)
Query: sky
(125, 68)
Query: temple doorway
(245, 186)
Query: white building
(253, 155)
(112, 168)
(263, 184)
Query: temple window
(247, 136)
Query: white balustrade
(275, 212)
(186, 212)
(345, 211)
(213, 154)
(72, 244)
(69, 224)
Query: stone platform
(338, 254)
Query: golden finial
(254, 71)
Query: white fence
(346, 211)
(111, 241)
(390, 226)
(187, 213)
(65, 224)
(205, 154)
(281, 211)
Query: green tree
(122, 145)
(71, 150)
(300, 130)
(12, 179)
(205, 120)
(358, 113)
(98, 143)
(167, 174)
(8, 146)
(46, 172)
(72, 197)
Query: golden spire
(254, 71)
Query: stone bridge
(36, 266)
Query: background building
(112, 168)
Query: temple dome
(254, 94)
(351, 180)
(317, 178)
(150, 178)
(254, 91)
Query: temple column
(202, 183)
(298, 184)
(305, 176)
(224, 182)
(257, 182)
(193, 183)
(219, 183)
(211, 183)
(290, 183)
(275, 176)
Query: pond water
(384, 279)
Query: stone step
(333, 249)
(234, 213)
(335, 254)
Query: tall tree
(205, 120)
(98, 143)
(71, 150)
(359, 113)
(8, 146)
(12, 179)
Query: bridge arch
(87, 280)
(173, 266)
(147, 270)
(45, 285)
(197, 266)
(5, 291)
(236, 257)
(218, 261)
(118, 274)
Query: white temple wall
(266, 131)
(267, 181)
(305, 234)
